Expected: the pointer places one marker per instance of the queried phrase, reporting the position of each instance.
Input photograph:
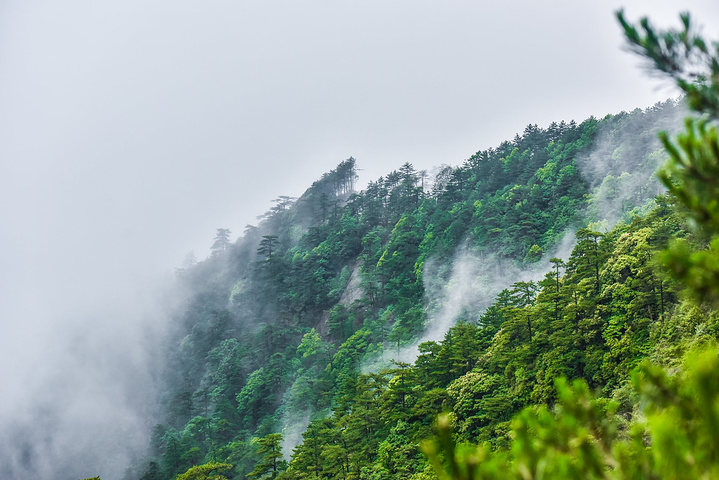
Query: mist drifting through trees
(128, 139)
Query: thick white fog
(130, 131)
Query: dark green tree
(268, 246)
(270, 452)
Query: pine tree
(270, 453)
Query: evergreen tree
(222, 241)
(270, 452)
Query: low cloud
(84, 403)
(465, 288)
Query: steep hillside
(333, 333)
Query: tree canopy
(544, 309)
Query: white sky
(131, 130)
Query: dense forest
(532, 298)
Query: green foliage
(692, 174)
(297, 321)
(693, 177)
(270, 453)
(583, 437)
(208, 471)
(311, 344)
(683, 55)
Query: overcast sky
(130, 130)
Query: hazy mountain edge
(269, 340)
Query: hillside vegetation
(519, 293)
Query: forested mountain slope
(297, 350)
